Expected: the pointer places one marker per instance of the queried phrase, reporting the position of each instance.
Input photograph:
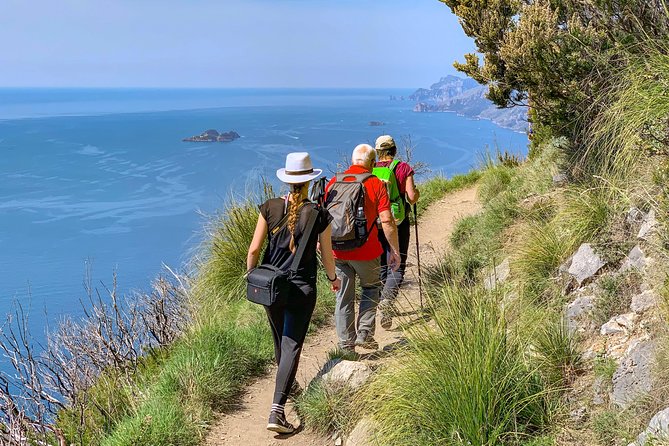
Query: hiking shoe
(365, 340)
(387, 310)
(277, 423)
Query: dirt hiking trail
(245, 426)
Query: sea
(97, 183)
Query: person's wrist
(333, 279)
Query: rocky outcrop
(658, 429)
(376, 123)
(344, 373)
(636, 259)
(619, 324)
(578, 314)
(633, 378)
(498, 275)
(648, 226)
(583, 265)
(466, 97)
(213, 136)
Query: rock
(376, 123)
(361, 434)
(647, 226)
(611, 327)
(598, 391)
(585, 264)
(633, 379)
(560, 179)
(658, 428)
(643, 302)
(579, 415)
(347, 373)
(619, 324)
(634, 216)
(636, 259)
(498, 275)
(578, 314)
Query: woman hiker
(283, 221)
(386, 150)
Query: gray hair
(364, 155)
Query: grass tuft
(467, 382)
(325, 409)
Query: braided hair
(294, 206)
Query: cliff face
(467, 97)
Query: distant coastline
(467, 98)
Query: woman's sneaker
(277, 423)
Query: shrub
(467, 382)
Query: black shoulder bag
(267, 284)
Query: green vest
(397, 203)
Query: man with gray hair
(356, 199)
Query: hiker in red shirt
(356, 199)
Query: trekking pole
(420, 276)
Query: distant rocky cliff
(466, 97)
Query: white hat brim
(297, 179)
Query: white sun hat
(298, 169)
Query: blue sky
(227, 43)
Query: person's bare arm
(327, 257)
(413, 194)
(390, 231)
(259, 236)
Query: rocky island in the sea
(376, 123)
(466, 97)
(213, 136)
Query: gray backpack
(346, 204)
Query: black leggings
(289, 325)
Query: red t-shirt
(376, 201)
(402, 172)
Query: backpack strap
(393, 165)
(313, 214)
(359, 177)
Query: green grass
(605, 367)
(615, 295)
(325, 409)
(467, 382)
(558, 353)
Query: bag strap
(305, 240)
(284, 220)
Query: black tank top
(278, 251)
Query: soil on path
(246, 425)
